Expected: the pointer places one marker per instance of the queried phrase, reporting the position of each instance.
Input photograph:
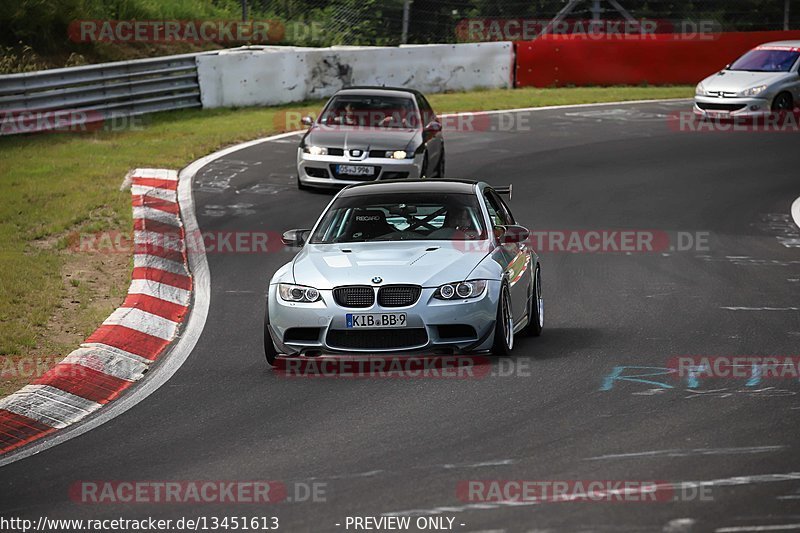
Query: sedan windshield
(767, 60)
(401, 217)
(371, 112)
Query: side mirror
(434, 126)
(307, 120)
(512, 234)
(295, 237)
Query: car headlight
(398, 154)
(461, 291)
(315, 150)
(754, 91)
(700, 90)
(298, 293)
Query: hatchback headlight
(700, 90)
(461, 291)
(754, 91)
(399, 154)
(315, 150)
(298, 293)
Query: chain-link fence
(391, 22)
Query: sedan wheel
(423, 173)
(535, 307)
(440, 166)
(504, 325)
(783, 102)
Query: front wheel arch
(778, 102)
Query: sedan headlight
(315, 150)
(700, 90)
(461, 291)
(298, 293)
(754, 91)
(399, 154)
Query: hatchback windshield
(767, 60)
(371, 112)
(401, 217)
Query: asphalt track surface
(387, 445)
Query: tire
(269, 348)
(423, 173)
(535, 307)
(504, 325)
(783, 102)
(440, 166)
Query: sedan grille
(398, 295)
(719, 107)
(377, 339)
(354, 296)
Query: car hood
(426, 263)
(737, 81)
(362, 138)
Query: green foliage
(42, 25)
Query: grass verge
(51, 297)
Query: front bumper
(325, 321)
(714, 107)
(320, 170)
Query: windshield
(773, 59)
(371, 112)
(401, 217)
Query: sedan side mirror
(295, 237)
(511, 234)
(307, 120)
(434, 126)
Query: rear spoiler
(504, 190)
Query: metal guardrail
(95, 93)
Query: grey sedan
(371, 134)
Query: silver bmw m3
(411, 266)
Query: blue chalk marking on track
(617, 375)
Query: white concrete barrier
(272, 75)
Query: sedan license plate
(355, 170)
(376, 320)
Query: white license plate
(719, 114)
(376, 320)
(355, 170)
